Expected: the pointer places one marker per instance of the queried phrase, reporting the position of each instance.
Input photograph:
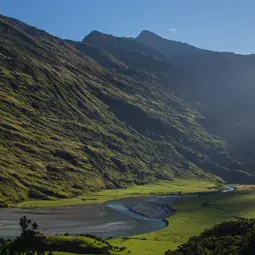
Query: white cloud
(173, 30)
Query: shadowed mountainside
(223, 83)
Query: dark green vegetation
(99, 114)
(31, 242)
(233, 237)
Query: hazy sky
(223, 25)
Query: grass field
(161, 187)
(191, 219)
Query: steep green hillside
(169, 76)
(71, 124)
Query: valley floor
(193, 213)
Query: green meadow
(191, 219)
(158, 188)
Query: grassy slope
(160, 187)
(191, 219)
(81, 245)
(69, 125)
(68, 245)
(131, 53)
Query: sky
(222, 25)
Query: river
(124, 217)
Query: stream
(124, 217)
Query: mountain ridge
(148, 33)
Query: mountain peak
(146, 35)
(96, 35)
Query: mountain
(102, 113)
(223, 83)
(128, 50)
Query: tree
(30, 242)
